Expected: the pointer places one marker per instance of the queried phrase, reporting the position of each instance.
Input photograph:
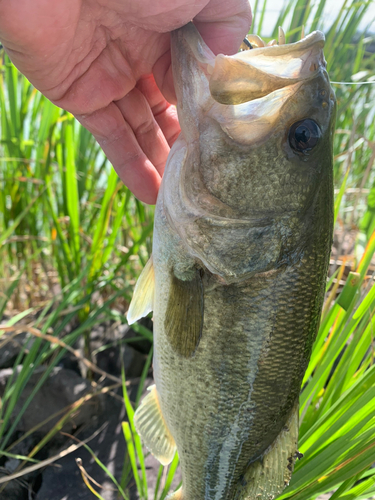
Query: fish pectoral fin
(184, 315)
(151, 426)
(142, 302)
(266, 478)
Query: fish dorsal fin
(266, 478)
(150, 425)
(142, 302)
(184, 315)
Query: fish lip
(204, 54)
(288, 48)
(256, 73)
(308, 49)
(314, 40)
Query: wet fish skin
(243, 230)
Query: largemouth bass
(242, 236)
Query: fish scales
(253, 358)
(243, 229)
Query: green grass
(69, 226)
(60, 197)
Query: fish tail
(266, 478)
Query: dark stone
(110, 361)
(65, 482)
(133, 354)
(14, 490)
(61, 389)
(11, 346)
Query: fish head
(258, 130)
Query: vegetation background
(73, 239)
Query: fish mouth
(245, 93)
(252, 74)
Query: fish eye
(304, 136)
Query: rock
(11, 347)
(61, 389)
(14, 490)
(134, 354)
(109, 360)
(111, 334)
(65, 483)
(62, 480)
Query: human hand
(105, 61)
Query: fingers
(135, 133)
(223, 24)
(162, 71)
(121, 146)
(165, 113)
(137, 113)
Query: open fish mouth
(246, 92)
(252, 74)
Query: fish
(242, 237)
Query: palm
(100, 60)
